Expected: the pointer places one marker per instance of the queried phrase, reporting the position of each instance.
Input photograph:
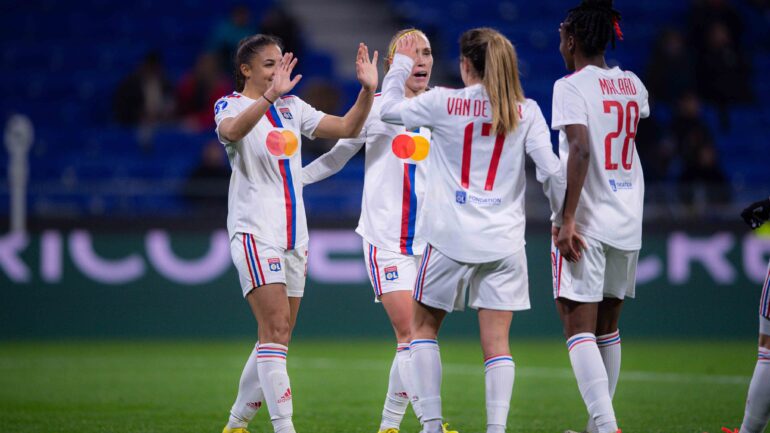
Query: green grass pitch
(339, 385)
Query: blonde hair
(392, 45)
(494, 58)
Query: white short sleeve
(222, 110)
(538, 134)
(569, 106)
(421, 110)
(309, 118)
(644, 110)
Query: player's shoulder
(230, 101)
(529, 108)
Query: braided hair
(594, 23)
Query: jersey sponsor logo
(221, 105)
(461, 197)
(414, 147)
(286, 113)
(282, 143)
(484, 201)
(274, 264)
(391, 273)
(620, 185)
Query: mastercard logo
(412, 147)
(280, 143)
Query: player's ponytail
(494, 58)
(392, 45)
(248, 47)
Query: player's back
(474, 208)
(609, 102)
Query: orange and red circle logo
(280, 143)
(415, 147)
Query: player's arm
(757, 213)
(235, 128)
(332, 161)
(548, 168)
(393, 86)
(350, 125)
(568, 241)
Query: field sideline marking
(539, 372)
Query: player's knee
(403, 330)
(278, 331)
(764, 341)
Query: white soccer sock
(592, 380)
(609, 348)
(758, 402)
(426, 367)
(250, 396)
(404, 359)
(498, 377)
(397, 398)
(271, 363)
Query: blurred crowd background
(121, 95)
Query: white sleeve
(332, 161)
(309, 118)
(396, 109)
(569, 106)
(224, 109)
(644, 109)
(549, 170)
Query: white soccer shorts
(499, 285)
(602, 271)
(389, 271)
(259, 264)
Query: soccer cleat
(234, 430)
(445, 428)
(727, 430)
(389, 430)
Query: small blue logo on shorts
(274, 264)
(391, 273)
(461, 197)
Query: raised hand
(282, 81)
(366, 69)
(757, 213)
(407, 45)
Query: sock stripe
(609, 339)
(763, 356)
(495, 360)
(265, 351)
(580, 339)
(402, 347)
(423, 343)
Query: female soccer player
(261, 130)
(391, 224)
(757, 411)
(596, 111)
(475, 234)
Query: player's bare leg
(499, 368)
(580, 320)
(426, 364)
(398, 306)
(273, 310)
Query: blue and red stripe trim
(763, 356)
(423, 342)
(291, 202)
(408, 210)
(580, 339)
(609, 339)
(420, 281)
(273, 117)
(764, 302)
(252, 260)
(275, 351)
(556, 265)
(498, 360)
(402, 347)
(374, 270)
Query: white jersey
(265, 197)
(394, 181)
(609, 102)
(474, 210)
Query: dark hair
(247, 48)
(594, 23)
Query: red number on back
(631, 123)
(486, 131)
